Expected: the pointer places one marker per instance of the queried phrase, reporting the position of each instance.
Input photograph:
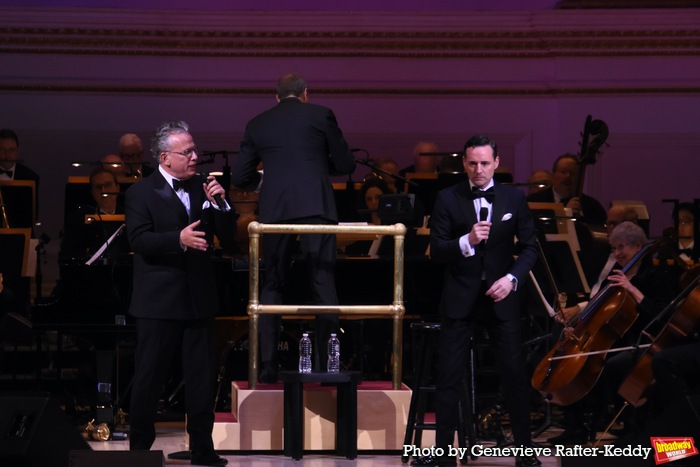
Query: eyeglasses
(186, 152)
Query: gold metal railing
(395, 310)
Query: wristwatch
(513, 281)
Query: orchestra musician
(11, 168)
(131, 152)
(370, 192)
(387, 166)
(652, 289)
(300, 145)
(472, 230)
(81, 240)
(684, 213)
(676, 369)
(171, 218)
(565, 173)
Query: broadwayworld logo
(672, 449)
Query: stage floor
(171, 438)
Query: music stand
(77, 193)
(14, 251)
(112, 226)
(21, 210)
(14, 261)
(345, 195)
(561, 246)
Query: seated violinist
(565, 173)
(650, 288)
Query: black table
(346, 417)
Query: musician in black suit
(131, 152)
(300, 146)
(565, 174)
(80, 239)
(12, 169)
(473, 227)
(171, 219)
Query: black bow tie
(180, 184)
(488, 195)
(8, 172)
(687, 251)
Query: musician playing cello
(651, 289)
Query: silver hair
(628, 233)
(160, 141)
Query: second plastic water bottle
(333, 354)
(305, 354)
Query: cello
(571, 368)
(684, 321)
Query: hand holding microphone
(480, 231)
(213, 190)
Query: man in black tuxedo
(565, 173)
(171, 219)
(12, 169)
(473, 227)
(300, 146)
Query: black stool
(427, 335)
(346, 415)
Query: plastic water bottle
(333, 354)
(305, 354)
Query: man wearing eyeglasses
(131, 152)
(171, 218)
(300, 146)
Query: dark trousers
(455, 337)
(677, 373)
(158, 342)
(319, 252)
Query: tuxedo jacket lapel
(466, 203)
(166, 192)
(500, 201)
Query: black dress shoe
(268, 373)
(527, 461)
(570, 436)
(425, 460)
(211, 458)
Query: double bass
(592, 238)
(571, 368)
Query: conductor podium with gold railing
(256, 422)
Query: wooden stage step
(257, 417)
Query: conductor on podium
(300, 146)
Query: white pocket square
(506, 217)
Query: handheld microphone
(483, 214)
(219, 200)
